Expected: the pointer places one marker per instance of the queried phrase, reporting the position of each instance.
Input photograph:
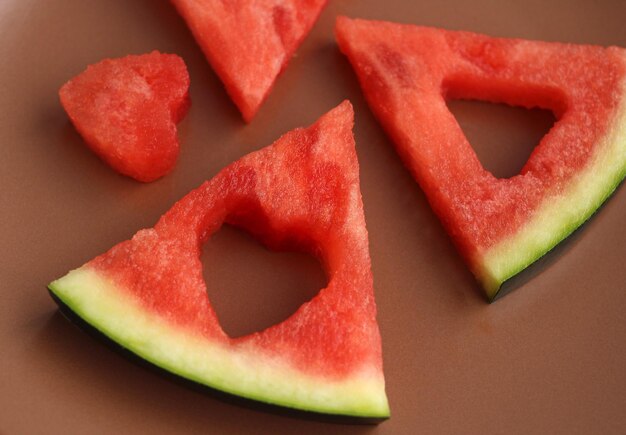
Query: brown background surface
(548, 358)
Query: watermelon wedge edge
(157, 343)
(585, 195)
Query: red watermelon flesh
(500, 226)
(148, 293)
(127, 109)
(249, 42)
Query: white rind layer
(560, 215)
(238, 370)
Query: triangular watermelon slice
(148, 293)
(249, 42)
(500, 226)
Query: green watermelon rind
(560, 215)
(239, 371)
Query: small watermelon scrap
(500, 226)
(249, 42)
(148, 293)
(127, 109)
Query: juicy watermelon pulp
(500, 226)
(249, 42)
(148, 293)
(127, 109)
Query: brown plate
(549, 357)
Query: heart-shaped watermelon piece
(126, 110)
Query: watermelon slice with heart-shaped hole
(249, 42)
(126, 110)
(500, 226)
(148, 294)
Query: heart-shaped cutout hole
(251, 287)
